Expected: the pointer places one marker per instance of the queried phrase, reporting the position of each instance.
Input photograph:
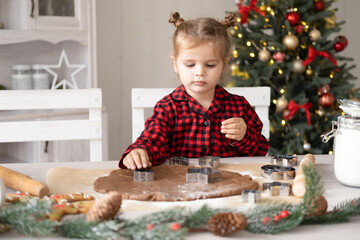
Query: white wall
(134, 48)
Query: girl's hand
(137, 158)
(234, 128)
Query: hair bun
(229, 20)
(176, 19)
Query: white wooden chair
(53, 130)
(143, 98)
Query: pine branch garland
(82, 229)
(28, 218)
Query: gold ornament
(264, 55)
(298, 67)
(262, 8)
(309, 72)
(281, 103)
(314, 35)
(291, 42)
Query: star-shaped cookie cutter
(251, 196)
(277, 188)
(284, 160)
(202, 175)
(143, 174)
(273, 172)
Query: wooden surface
(334, 193)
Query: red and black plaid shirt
(180, 126)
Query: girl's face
(199, 69)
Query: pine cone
(224, 224)
(4, 228)
(319, 207)
(105, 208)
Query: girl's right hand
(136, 159)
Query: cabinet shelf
(21, 36)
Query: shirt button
(203, 149)
(206, 123)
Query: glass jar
(346, 133)
(40, 78)
(21, 77)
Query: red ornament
(277, 218)
(293, 18)
(279, 56)
(287, 115)
(324, 89)
(327, 100)
(266, 220)
(339, 46)
(284, 214)
(319, 5)
(342, 39)
(299, 28)
(175, 226)
(150, 227)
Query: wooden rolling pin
(23, 183)
(299, 184)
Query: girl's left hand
(234, 128)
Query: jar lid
(37, 66)
(350, 107)
(21, 67)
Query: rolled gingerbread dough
(170, 185)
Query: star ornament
(63, 81)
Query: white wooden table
(334, 194)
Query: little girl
(199, 118)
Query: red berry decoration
(339, 46)
(175, 226)
(319, 5)
(266, 220)
(327, 100)
(277, 218)
(279, 57)
(293, 18)
(284, 214)
(150, 227)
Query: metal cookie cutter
(179, 161)
(143, 174)
(202, 175)
(284, 160)
(273, 172)
(277, 188)
(251, 196)
(209, 161)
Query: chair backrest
(142, 98)
(46, 130)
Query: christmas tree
(293, 46)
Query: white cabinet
(36, 32)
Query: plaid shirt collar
(180, 94)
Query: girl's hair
(203, 30)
